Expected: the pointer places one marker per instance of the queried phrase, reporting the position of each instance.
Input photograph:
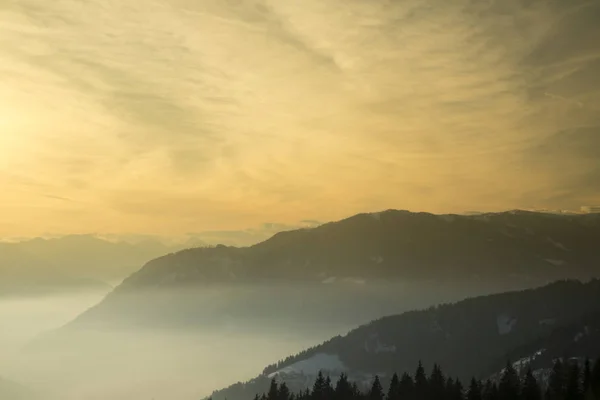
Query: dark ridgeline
(566, 382)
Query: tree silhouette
(474, 392)
(376, 392)
(531, 388)
(273, 393)
(437, 383)
(574, 391)
(407, 387)
(394, 389)
(420, 383)
(509, 386)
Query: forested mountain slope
(474, 337)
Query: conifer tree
(474, 392)
(376, 392)
(531, 388)
(319, 391)
(343, 389)
(329, 392)
(273, 393)
(556, 382)
(449, 391)
(284, 392)
(407, 387)
(595, 380)
(490, 391)
(437, 383)
(394, 389)
(356, 394)
(587, 375)
(459, 390)
(420, 383)
(573, 389)
(509, 387)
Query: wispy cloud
(168, 115)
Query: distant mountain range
(39, 265)
(397, 244)
(382, 261)
(474, 337)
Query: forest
(569, 379)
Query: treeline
(567, 381)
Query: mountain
(378, 264)
(473, 337)
(397, 244)
(38, 266)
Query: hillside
(382, 263)
(397, 244)
(473, 337)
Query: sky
(176, 116)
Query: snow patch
(376, 216)
(374, 345)
(558, 244)
(377, 259)
(505, 324)
(448, 218)
(329, 280)
(556, 263)
(578, 337)
(356, 281)
(521, 364)
(312, 365)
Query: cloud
(168, 115)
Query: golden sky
(175, 116)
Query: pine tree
(459, 390)
(420, 391)
(437, 384)
(343, 389)
(273, 393)
(474, 392)
(356, 394)
(407, 387)
(329, 392)
(587, 375)
(376, 392)
(449, 390)
(573, 389)
(556, 382)
(284, 392)
(490, 391)
(531, 388)
(509, 387)
(595, 380)
(319, 391)
(394, 389)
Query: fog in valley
(183, 343)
